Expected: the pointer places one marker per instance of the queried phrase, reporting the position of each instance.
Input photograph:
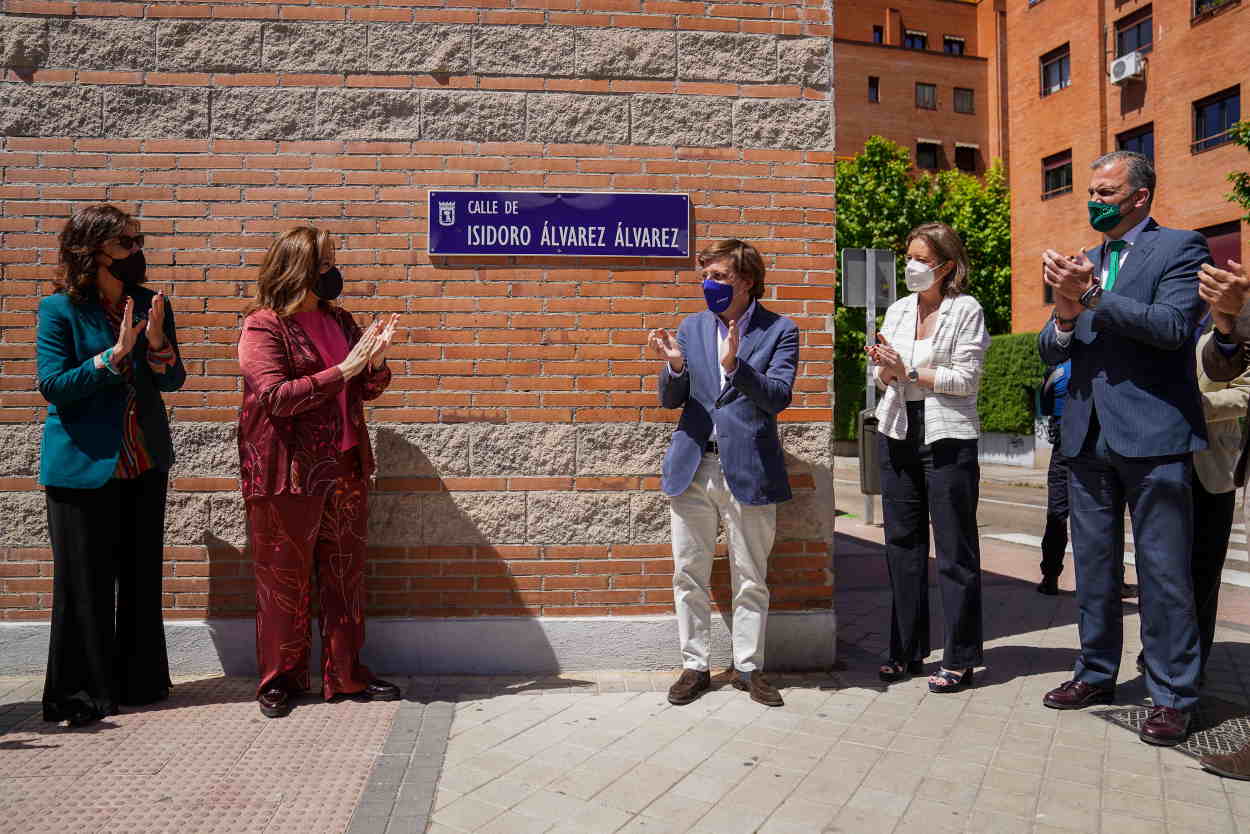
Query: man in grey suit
(1126, 316)
(730, 370)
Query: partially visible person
(1226, 356)
(1055, 537)
(1132, 420)
(106, 349)
(731, 372)
(928, 362)
(305, 461)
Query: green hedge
(1013, 372)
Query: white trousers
(750, 530)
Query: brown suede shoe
(1166, 727)
(1077, 695)
(689, 686)
(1234, 765)
(762, 692)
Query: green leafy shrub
(1012, 372)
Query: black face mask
(131, 270)
(328, 285)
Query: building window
(1213, 116)
(963, 100)
(1134, 33)
(927, 155)
(1056, 70)
(1204, 6)
(1057, 175)
(952, 45)
(1139, 139)
(926, 96)
(874, 88)
(878, 34)
(966, 158)
(1225, 242)
(915, 40)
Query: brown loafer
(1077, 695)
(689, 686)
(762, 691)
(273, 702)
(1234, 765)
(1165, 727)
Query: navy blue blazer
(82, 434)
(1133, 357)
(744, 411)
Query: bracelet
(1061, 320)
(107, 358)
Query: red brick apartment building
(927, 74)
(1180, 75)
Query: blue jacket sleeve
(772, 390)
(675, 388)
(1167, 322)
(1048, 346)
(63, 378)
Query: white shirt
(1063, 337)
(921, 357)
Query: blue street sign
(578, 223)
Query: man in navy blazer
(1126, 317)
(731, 371)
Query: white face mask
(919, 275)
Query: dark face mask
(718, 296)
(131, 270)
(328, 285)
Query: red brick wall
(1190, 59)
(486, 344)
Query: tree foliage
(1241, 179)
(1012, 372)
(880, 199)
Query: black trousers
(1213, 522)
(1055, 538)
(939, 482)
(108, 638)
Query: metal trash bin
(869, 452)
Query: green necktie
(1114, 248)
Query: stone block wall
(519, 444)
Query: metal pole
(870, 339)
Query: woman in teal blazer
(106, 348)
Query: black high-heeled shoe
(894, 671)
(954, 682)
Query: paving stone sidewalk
(605, 752)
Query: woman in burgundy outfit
(305, 462)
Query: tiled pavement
(604, 752)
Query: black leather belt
(710, 448)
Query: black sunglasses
(129, 242)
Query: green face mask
(1103, 216)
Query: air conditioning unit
(1127, 68)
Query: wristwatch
(913, 376)
(1092, 296)
(1061, 320)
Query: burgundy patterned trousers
(296, 540)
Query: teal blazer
(82, 433)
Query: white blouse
(959, 344)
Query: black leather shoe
(377, 690)
(83, 716)
(380, 690)
(273, 702)
(1077, 695)
(1165, 727)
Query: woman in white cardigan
(928, 364)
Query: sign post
(868, 281)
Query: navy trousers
(1157, 492)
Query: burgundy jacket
(290, 424)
